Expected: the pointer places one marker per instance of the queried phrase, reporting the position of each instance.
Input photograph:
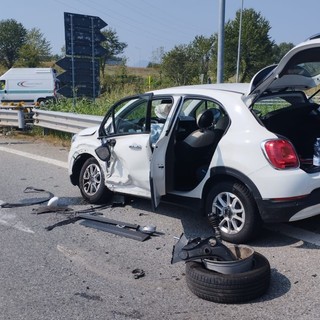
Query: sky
(147, 25)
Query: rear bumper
(275, 211)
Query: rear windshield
(270, 103)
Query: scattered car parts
(28, 202)
(129, 230)
(92, 219)
(229, 288)
(138, 273)
(46, 209)
(116, 229)
(222, 274)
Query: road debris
(28, 201)
(138, 273)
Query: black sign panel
(82, 90)
(83, 76)
(85, 50)
(80, 74)
(83, 36)
(85, 21)
(67, 63)
(79, 80)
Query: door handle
(135, 146)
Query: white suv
(242, 152)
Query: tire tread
(229, 288)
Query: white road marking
(36, 157)
(10, 219)
(296, 233)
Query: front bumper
(272, 211)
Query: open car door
(161, 168)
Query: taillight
(281, 154)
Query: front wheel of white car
(238, 216)
(91, 182)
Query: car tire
(229, 288)
(232, 202)
(91, 182)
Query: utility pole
(239, 43)
(220, 62)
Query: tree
(203, 49)
(280, 50)
(113, 46)
(28, 57)
(180, 65)
(36, 49)
(256, 46)
(12, 38)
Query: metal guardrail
(12, 118)
(63, 121)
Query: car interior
(297, 120)
(193, 154)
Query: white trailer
(29, 85)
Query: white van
(29, 85)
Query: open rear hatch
(299, 69)
(277, 96)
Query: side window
(193, 107)
(2, 84)
(189, 113)
(127, 117)
(132, 116)
(207, 104)
(133, 119)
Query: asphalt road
(75, 272)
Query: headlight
(74, 137)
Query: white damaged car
(242, 152)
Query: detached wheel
(232, 202)
(91, 182)
(229, 288)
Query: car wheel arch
(220, 174)
(236, 210)
(78, 163)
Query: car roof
(240, 88)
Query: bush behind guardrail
(97, 107)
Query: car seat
(195, 151)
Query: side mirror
(103, 153)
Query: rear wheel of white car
(91, 182)
(238, 216)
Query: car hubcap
(91, 179)
(230, 211)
